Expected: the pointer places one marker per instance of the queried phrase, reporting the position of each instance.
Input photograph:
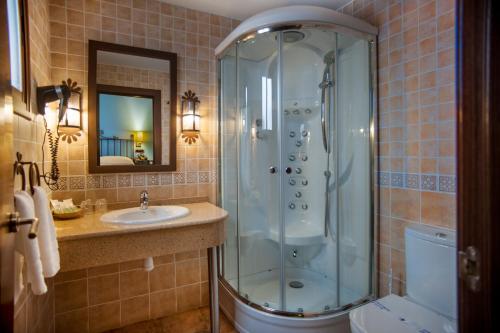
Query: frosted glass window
(16, 69)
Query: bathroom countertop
(88, 242)
(91, 225)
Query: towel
(29, 247)
(18, 268)
(47, 239)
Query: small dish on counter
(68, 215)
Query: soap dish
(68, 216)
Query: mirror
(132, 109)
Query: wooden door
(478, 97)
(6, 181)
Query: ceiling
(242, 9)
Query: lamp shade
(70, 124)
(190, 117)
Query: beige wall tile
(188, 297)
(405, 204)
(104, 317)
(76, 321)
(439, 209)
(163, 303)
(133, 283)
(134, 310)
(187, 272)
(104, 288)
(162, 277)
(70, 295)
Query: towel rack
(33, 175)
(13, 220)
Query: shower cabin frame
(374, 166)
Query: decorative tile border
(153, 179)
(109, 181)
(423, 182)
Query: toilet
(431, 302)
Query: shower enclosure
(296, 110)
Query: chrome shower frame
(374, 166)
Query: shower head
(329, 58)
(292, 36)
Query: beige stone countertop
(90, 226)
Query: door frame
(6, 180)
(478, 156)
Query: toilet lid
(394, 314)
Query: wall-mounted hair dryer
(49, 94)
(46, 95)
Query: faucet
(144, 200)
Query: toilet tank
(431, 269)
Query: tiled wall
(153, 24)
(107, 297)
(34, 313)
(416, 125)
(59, 31)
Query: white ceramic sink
(136, 215)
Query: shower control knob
(307, 111)
(304, 133)
(288, 170)
(305, 206)
(272, 169)
(298, 195)
(296, 111)
(291, 182)
(298, 143)
(304, 158)
(298, 171)
(292, 134)
(291, 157)
(305, 182)
(291, 205)
(287, 112)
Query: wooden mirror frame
(93, 149)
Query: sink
(136, 215)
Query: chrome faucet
(144, 200)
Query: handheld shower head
(329, 58)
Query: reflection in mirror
(134, 113)
(126, 129)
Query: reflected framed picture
(18, 23)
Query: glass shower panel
(229, 164)
(258, 192)
(310, 251)
(354, 165)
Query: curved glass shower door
(250, 185)
(295, 169)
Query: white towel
(18, 268)
(29, 247)
(47, 239)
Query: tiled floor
(194, 321)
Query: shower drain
(296, 284)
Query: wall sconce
(70, 125)
(190, 117)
